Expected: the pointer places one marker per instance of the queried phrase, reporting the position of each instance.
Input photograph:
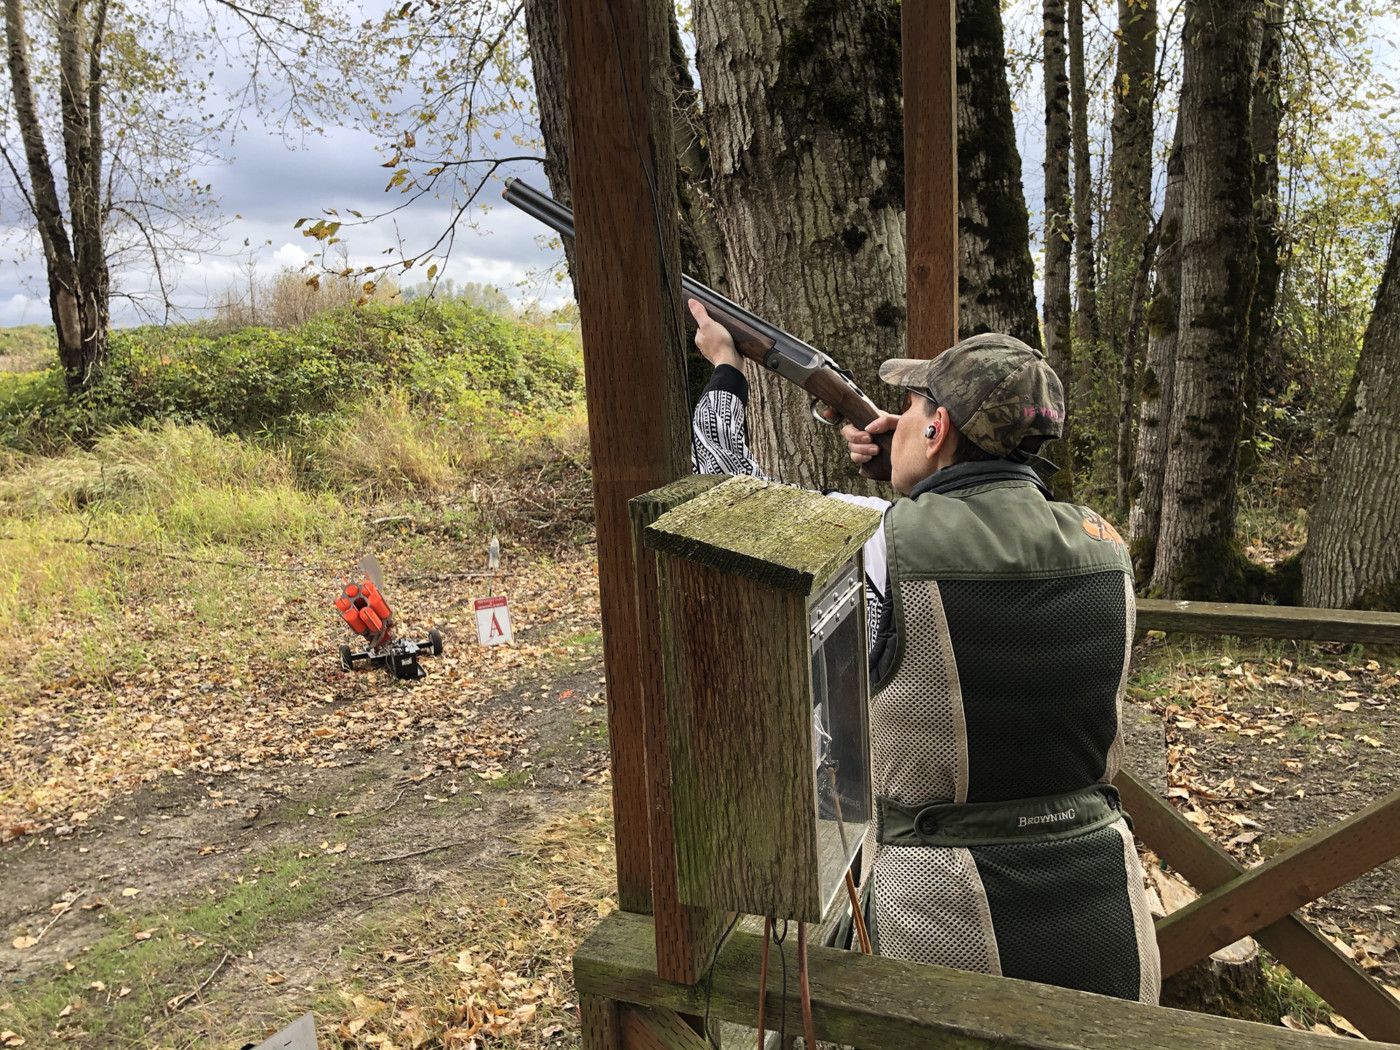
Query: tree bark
(1059, 346)
(803, 109)
(1086, 322)
(1158, 376)
(1265, 115)
(1352, 559)
(1129, 212)
(1198, 554)
(996, 278)
(76, 265)
(544, 31)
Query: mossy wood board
(738, 711)
(773, 534)
(871, 1001)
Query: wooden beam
(646, 1029)
(685, 936)
(1269, 621)
(1281, 885)
(928, 36)
(872, 1001)
(601, 1023)
(1313, 958)
(634, 372)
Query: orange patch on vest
(1101, 530)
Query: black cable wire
(710, 975)
(651, 185)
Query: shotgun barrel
(754, 338)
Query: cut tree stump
(1230, 983)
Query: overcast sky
(271, 186)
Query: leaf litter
(1264, 751)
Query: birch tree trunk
(1158, 376)
(1059, 345)
(1352, 559)
(75, 257)
(803, 108)
(1129, 213)
(1198, 554)
(996, 278)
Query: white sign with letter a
(492, 621)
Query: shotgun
(754, 337)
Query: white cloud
(24, 309)
(289, 256)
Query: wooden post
(929, 38)
(626, 278)
(685, 936)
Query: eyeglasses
(909, 394)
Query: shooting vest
(999, 845)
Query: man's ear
(937, 432)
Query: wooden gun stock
(754, 338)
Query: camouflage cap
(998, 391)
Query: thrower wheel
(435, 641)
(346, 660)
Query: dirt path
(260, 891)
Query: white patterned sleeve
(719, 444)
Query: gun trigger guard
(816, 406)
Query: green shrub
(297, 383)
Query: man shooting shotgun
(753, 337)
(1003, 625)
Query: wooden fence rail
(1269, 621)
(1236, 903)
(872, 1001)
(1316, 961)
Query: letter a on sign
(492, 621)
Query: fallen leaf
(145, 935)
(1350, 705)
(9, 1038)
(21, 943)
(131, 891)
(275, 978)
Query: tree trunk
(996, 278)
(1198, 554)
(1129, 212)
(1265, 115)
(1352, 559)
(803, 108)
(1059, 347)
(76, 267)
(1086, 325)
(1158, 376)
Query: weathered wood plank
(1281, 885)
(634, 374)
(868, 1001)
(647, 1029)
(742, 788)
(774, 534)
(1269, 621)
(930, 176)
(1315, 960)
(685, 936)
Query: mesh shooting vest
(999, 845)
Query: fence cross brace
(1291, 876)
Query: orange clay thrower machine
(365, 612)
